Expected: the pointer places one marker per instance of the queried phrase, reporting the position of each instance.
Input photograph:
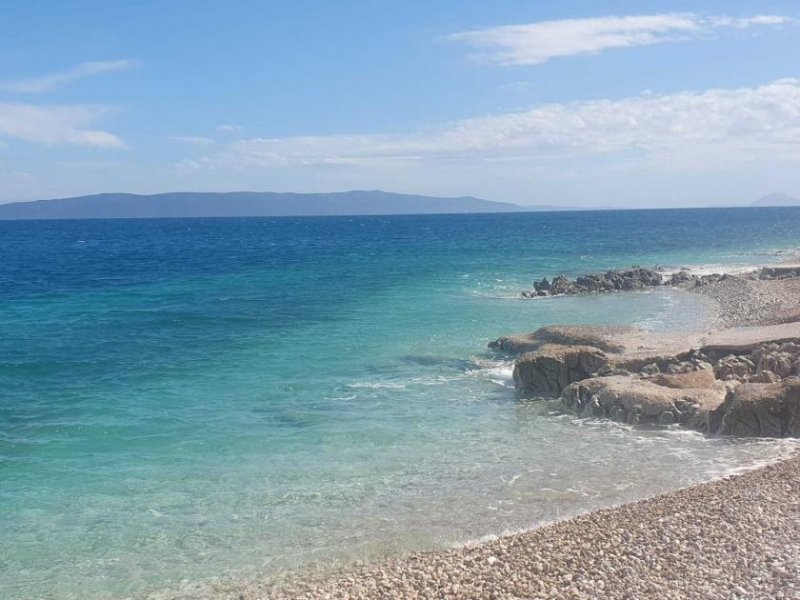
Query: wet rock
(635, 278)
(562, 285)
(683, 278)
(763, 410)
(552, 367)
(633, 400)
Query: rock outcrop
(635, 278)
(609, 338)
(738, 382)
(634, 401)
(552, 367)
(638, 278)
(626, 348)
(763, 410)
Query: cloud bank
(732, 124)
(537, 43)
(54, 124)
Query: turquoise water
(191, 399)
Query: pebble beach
(738, 537)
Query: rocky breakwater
(639, 278)
(743, 381)
(635, 278)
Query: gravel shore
(737, 537)
(744, 302)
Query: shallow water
(184, 399)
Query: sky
(589, 103)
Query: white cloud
(54, 124)
(229, 128)
(52, 81)
(729, 123)
(537, 43)
(744, 23)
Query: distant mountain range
(777, 199)
(249, 204)
(278, 204)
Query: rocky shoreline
(734, 382)
(740, 380)
(736, 537)
(732, 538)
(639, 278)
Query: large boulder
(763, 410)
(549, 369)
(634, 400)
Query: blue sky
(571, 103)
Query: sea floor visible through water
(185, 400)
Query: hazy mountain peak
(777, 199)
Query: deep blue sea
(193, 399)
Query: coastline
(366, 421)
(730, 537)
(683, 544)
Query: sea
(185, 401)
